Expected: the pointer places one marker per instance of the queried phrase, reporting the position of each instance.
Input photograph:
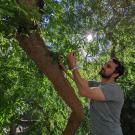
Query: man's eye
(108, 66)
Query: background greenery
(25, 93)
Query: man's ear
(115, 75)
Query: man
(106, 96)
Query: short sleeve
(93, 83)
(110, 92)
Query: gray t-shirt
(105, 115)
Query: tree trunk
(35, 48)
(12, 129)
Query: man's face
(108, 70)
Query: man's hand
(60, 62)
(71, 60)
(60, 59)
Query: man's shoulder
(116, 86)
(112, 91)
(93, 83)
(112, 85)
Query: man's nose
(102, 68)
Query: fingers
(60, 61)
(71, 54)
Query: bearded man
(106, 97)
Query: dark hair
(120, 68)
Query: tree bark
(12, 129)
(39, 53)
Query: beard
(104, 75)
